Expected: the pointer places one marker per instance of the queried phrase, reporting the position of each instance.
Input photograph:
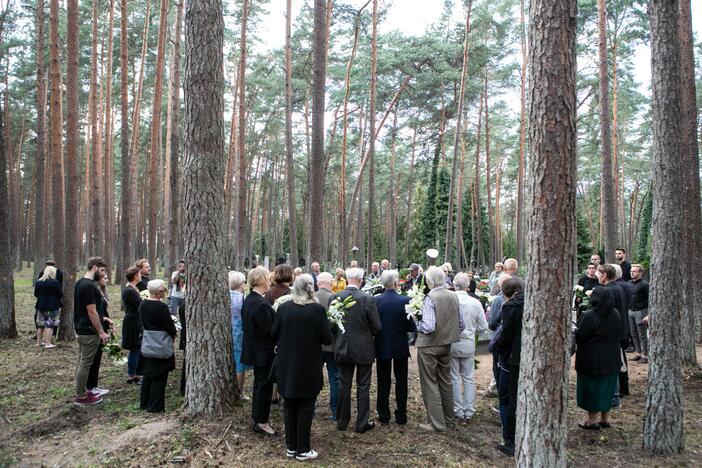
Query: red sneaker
(88, 399)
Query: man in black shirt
(589, 280)
(620, 254)
(638, 309)
(621, 303)
(89, 331)
(145, 270)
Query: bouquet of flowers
(281, 300)
(144, 294)
(337, 311)
(483, 285)
(414, 308)
(582, 300)
(114, 352)
(373, 281)
(177, 323)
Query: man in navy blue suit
(392, 348)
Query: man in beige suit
(439, 327)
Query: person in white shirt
(177, 296)
(463, 352)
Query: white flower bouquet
(337, 311)
(281, 300)
(414, 308)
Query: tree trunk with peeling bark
(551, 232)
(127, 211)
(56, 123)
(240, 216)
(40, 229)
(211, 387)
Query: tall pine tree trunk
(551, 227)
(448, 249)
(488, 184)
(108, 180)
(240, 217)
(289, 163)
(56, 123)
(317, 175)
(96, 200)
(127, 208)
(211, 387)
(40, 228)
(371, 143)
(663, 423)
(521, 172)
(609, 199)
(690, 154)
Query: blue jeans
(174, 303)
(132, 362)
(503, 392)
(333, 374)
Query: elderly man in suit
(392, 348)
(354, 351)
(324, 296)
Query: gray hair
(155, 286)
(390, 278)
(617, 270)
(435, 277)
(236, 280)
(354, 273)
(461, 282)
(325, 277)
(303, 290)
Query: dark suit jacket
(361, 323)
(257, 320)
(511, 338)
(300, 331)
(598, 352)
(392, 342)
(619, 301)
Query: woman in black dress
(300, 328)
(131, 325)
(155, 317)
(48, 292)
(257, 347)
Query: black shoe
(401, 421)
(367, 427)
(257, 429)
(506, 449)
(589, 427)
(340, 428)
(383, 422)
(605, 425)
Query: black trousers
(363, 379)
(153, 393)
(182, 377)
(623, 376)
(94, 370)
(298, 414)
(512, 389)
(262, 394)
(383, 367)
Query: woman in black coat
(155, 316)
(48, 292)
(300, 328)
(258, 347)
(597, 358)
(131, 325)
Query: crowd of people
(281, 331)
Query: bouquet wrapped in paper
(337, 311)
(414, 308)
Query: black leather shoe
(367, 428)
(506, 449)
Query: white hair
(511, 264)
(155, 286)
(390, 278)
(435, 277)
(355, 274)
(236, 280)
(325, 277)
(461, 282)
(303, 290)
(447, 267)
(617, 270)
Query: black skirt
(154, 367)
(131, 332)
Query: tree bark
(96, 200)
(448, 249)
(691, 187)
(289, 162)
(240, 218)
(317, 175)
(40, 228)
(488, 184)
(609, 200)
(521, 171)
(56, 122)
(211, 387)
(371, 143)
(551, 233)
(172, 233)
(108, 184)
(477, 219)
(663, 422)
(127, 224)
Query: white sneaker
(290, 453)
(311, 455)
(97, 391)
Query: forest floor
(39, 424)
